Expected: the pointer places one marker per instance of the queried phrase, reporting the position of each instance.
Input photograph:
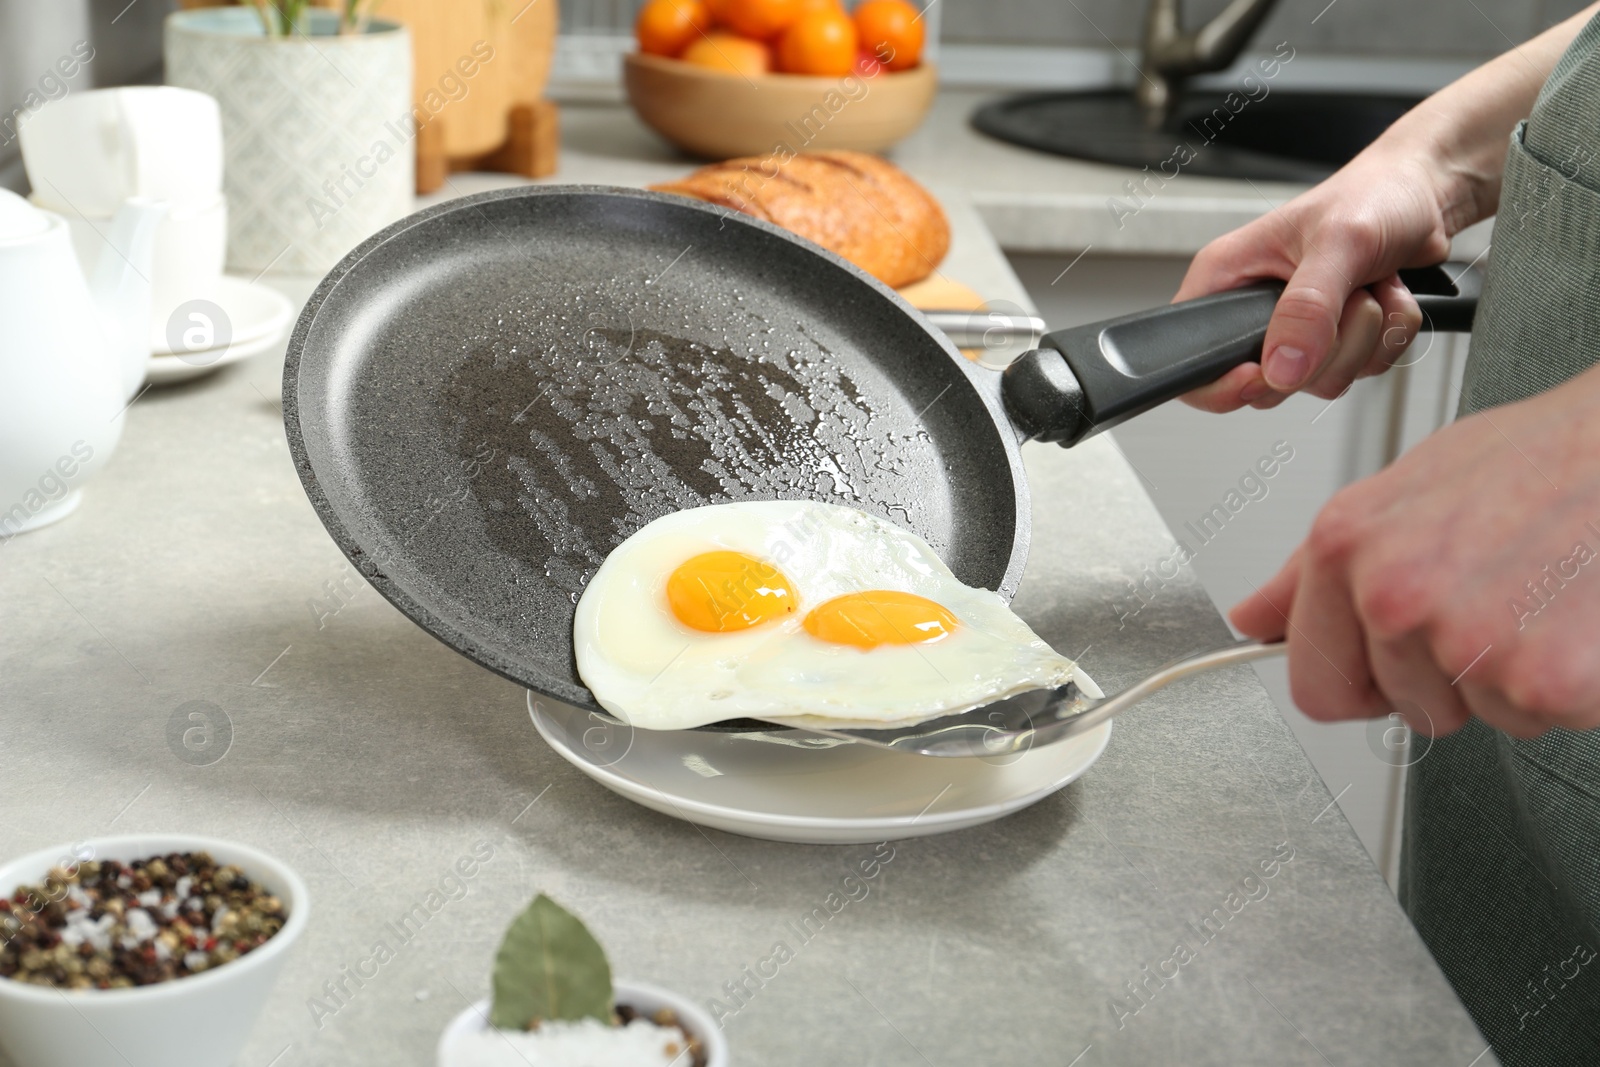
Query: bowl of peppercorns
(151, 950)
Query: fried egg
(793, 610)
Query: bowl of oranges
(722, 78)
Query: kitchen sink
(1282, 135)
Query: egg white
(648, 669)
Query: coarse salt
(141, 927)
(583, 1043)
(81, 928)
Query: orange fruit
(666, 27)
(760, 20)
(729, 52)
(892, 31)
(819, 5)
(822, 41)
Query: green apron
(1500, 868)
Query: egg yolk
(879, 617)
(722, 592)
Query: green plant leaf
(549, 967)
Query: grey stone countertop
(370, 757)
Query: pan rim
(985, 384)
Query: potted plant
(316, 120)
(283, 18)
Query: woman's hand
(1344, 314)
(1464, 579)
(1432, 174)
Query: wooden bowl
(717, 115)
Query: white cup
(191, 245)
(88, 152)
(199, 1021)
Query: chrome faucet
(1170, 54)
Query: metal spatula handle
(1102, 710)
(1038, 717)
(1089, 378)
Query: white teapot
(72, 353)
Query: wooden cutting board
(939, 293)
(447, 33)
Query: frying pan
(485, 398)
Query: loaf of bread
(859, 206)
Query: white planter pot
(318, 137)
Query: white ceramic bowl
(200, 1021)
(646, 999)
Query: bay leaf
(549, 967)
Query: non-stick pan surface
(487, 397)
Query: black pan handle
(1089, 378)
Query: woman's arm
(1464, 128)
(1344, 313)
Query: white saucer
(259, 316)
(164, 370)
(835, 795)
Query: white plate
(259, 316)
(840, 794)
